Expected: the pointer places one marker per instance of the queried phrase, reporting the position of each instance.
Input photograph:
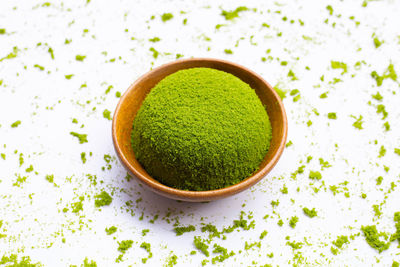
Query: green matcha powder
(201, 129)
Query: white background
(46, 103)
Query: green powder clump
(166, 16)
(81, 137)
(102, 199)
(315, 175)
(12, 260)
(171, 261)
(372, 236)
(339, 65)
(339, 242)
(124, 245)
(147, 247)
(15, 124)
(396, 235)
(230, 15)
(201, 245)
(201, 129)
(86, 263)
(310, 213)
(293, 221)
(184, 229)
(111, 230)
(223, 254)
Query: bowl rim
(197, 196)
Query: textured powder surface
(201, 129)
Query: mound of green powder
(201, 129)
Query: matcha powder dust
(201, 129)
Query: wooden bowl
(132, 99)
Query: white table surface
(33, 221)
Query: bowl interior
(131, 101)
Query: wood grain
(132, 99)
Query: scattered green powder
(39, 67)
(339, 65)
(382, 109)
(358, 123)
(184, 229)
(224, 254)
(200, 244)
(294, 245)
(382, 152)
(81, 137)
(293, 221)
(69, 76)
(86, 263)
(330, 9)
(292, 75)
(29, 169)
(387, 126)
(15, 124)
(373, 238)
(263, 234)
(109, 89)
(21, 159)
(377, 42)
(80, 57)
(315, 175)
(154, 40)
(379, 180)
(166, 16)
(389, 73)
(212, 229)
(248, 246)
(83, 157)
(284, 190)
(78, 206)
(147, 247)
(310, 213)
(377, 96)
(332, 116)
(397, 151)
(51, 52)
(124, 245)
(20, 180)
(171, 261)
(12, 261)
(155, 52)
(102, 199)
(230, 15)
(324, 164)
(228, 51)
(300, 170)
(339, 242)
(145, 231)
(201, 129)
(281, 92)
(324, 95)
(12, 54)
(111, 230)
(396, 235)
(107, 114)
